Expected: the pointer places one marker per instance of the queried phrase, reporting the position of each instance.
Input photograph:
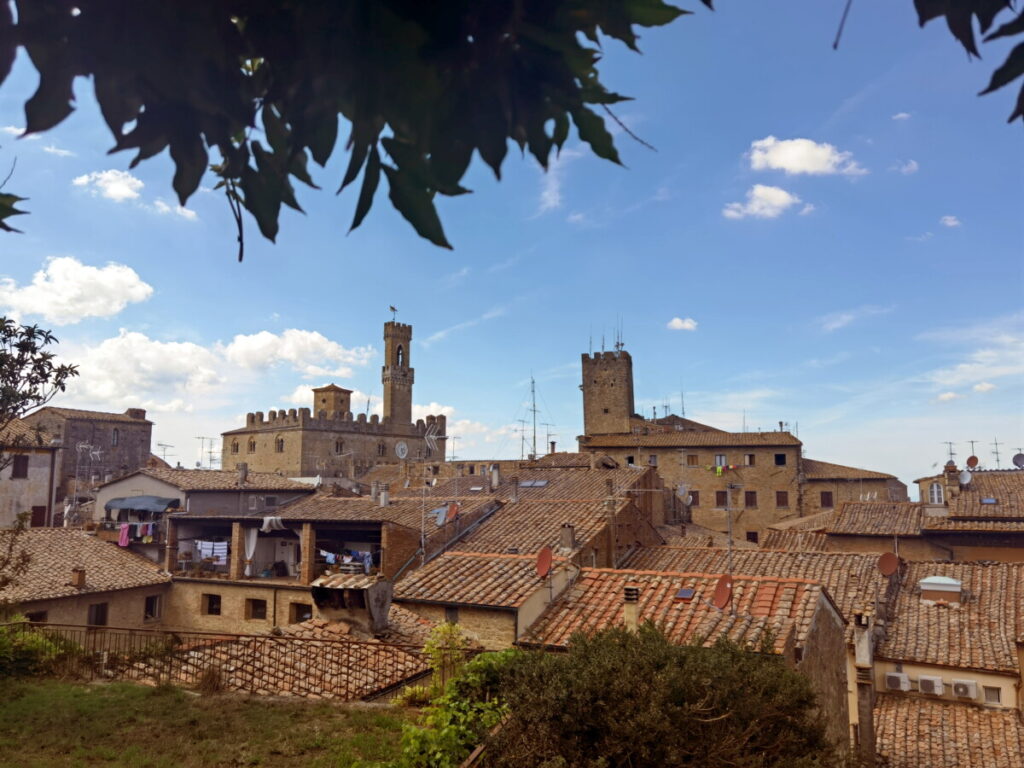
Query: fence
(282, 665)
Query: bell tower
(396, 375)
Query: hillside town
(327, 529)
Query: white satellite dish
(965, 477)
(1018, 460)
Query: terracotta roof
(691, 439)
(914, 732)
(406, 627)
(53, 552)
(981, 633)
(689, 541)
(853, 581)
(877, 518)
(823, 470)
(573, 461)
(500, 581)
(1006, 487)
(222, 480)
(673, 421)
(794, 540)
(946, 524)
(816, 522)
(76, 413)
(783, 607)
(17, 432)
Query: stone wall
(824, 662)
(849, 490)
(494, 629)
(19, 495)
(185, 605)
(607, 392)
(910, 548)
(125, 608)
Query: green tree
(421, 85)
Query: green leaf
(653, 13)
(561, 132)
(277, 133)
(371, 178)
(51, 102)
(591, 130)
(259, 199)
(7, 209)
(416, 206)
(190, 160)
(298, 169)
(323, 137)
(1014, 27)
(1011, 69)
(8, 47)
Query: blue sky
(836, 234)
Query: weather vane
(393, 312)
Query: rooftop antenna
(548, 434)
(949, 447)
(164, 447)
(202, 446)
(972, 442)
(453, 438)
(744, 419)
(522, 438)
(995, 451)
(533, 410)
(590, 342)
(682, 400)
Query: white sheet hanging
(250, 548)
(272, 524)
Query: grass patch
(46, 724)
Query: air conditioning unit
(965, 689)
(929, 684)
(897, 681)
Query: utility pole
(995, 446)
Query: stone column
(236, 557)
(307, 543)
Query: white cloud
(997, 352)
(112, 184)
(983, 386)
(163, 208)
(13, 130)
(949, 221)
(576, 218)
(920, 238)
(836, 320)
(807, 209)
(907, 168)
(66, 291)
(763, 202)
(444, 332)
(551, 181)
(901, 116)
(55, 150)
(946, 397)
(679, 324)
(308, 352)
(795, 156)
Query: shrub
(25, 651)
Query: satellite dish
(1018, 461)
(972, 461)
(689, 499)
(723, 592)
(453, 512)
(965, 477)
(888, 564)
(544, 562)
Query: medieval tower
(396, 375)
(607, 392)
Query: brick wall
(849, 490)
(495, 629)
(125, 608)
(185, 606)
(824, 662)
(398, 545)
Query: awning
(142, 504)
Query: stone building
(97, 447)
(329, 440)
(27, 481)
(757, 478)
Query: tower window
(400, 357)
(279, 445)
(605, 410)
(252, 446)
(115, 437)
(339, 446)
(234, 446)
(782, 498)
(721, 498)
(382, 449)
(750, 498)
(748, 459)
(691, 459)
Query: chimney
(243, 472)
(495, 477)
(136, 413)
(515, 490)
(374, 490)
(609, 485)
(552, 446)
(78, 578)
(865, 676)
(951, 478)
(780, 427)
(383, 496)
(567, 539)
(631, 608)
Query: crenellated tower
(607, 392)
(332, 399)
(397, 375)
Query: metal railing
(279, 665)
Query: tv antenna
(949, 446)
(995, 451)
(522, 438)
(163, 447)
(682, 400)
(548, 434)
(202, 447)
(533, 410)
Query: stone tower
(396, 375)
(332, 399)
(607, 392)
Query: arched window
(115, 437)
(382, 449)
(252, 446)
(935, 495)
(401, 357)
(339, 446)
(279, 445)
(234, 446)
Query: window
(299, 612)
(115, 437)
(752, 537)
(270, 501)
(629, 460)
(339, 446)
(935, 495)
(97, 615)
(691, 460)
(750, 498)
(748, 459)
(652, 460)
(694, 498)
(279, 445)
(256, 609)
(234, 446)
(472, 469)
(782, 498)
(605, 410)
(719, 459)
(826, 499)
(211, 605)
(382, 449)
(252, 446)
(152, 610)
(36, 616)
(401, 356)
(721, 498)
(451, 614)
(993, 694)
(780, 459)
(19, 469)
(253, 503)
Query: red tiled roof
(76, 413)
(823, 470)
(1006, 487)
(794, 540)
(690, 439)
(500, 581)
(222, 480)
(877, 518)
(784, 608)
(914, 732)
(18, 433)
